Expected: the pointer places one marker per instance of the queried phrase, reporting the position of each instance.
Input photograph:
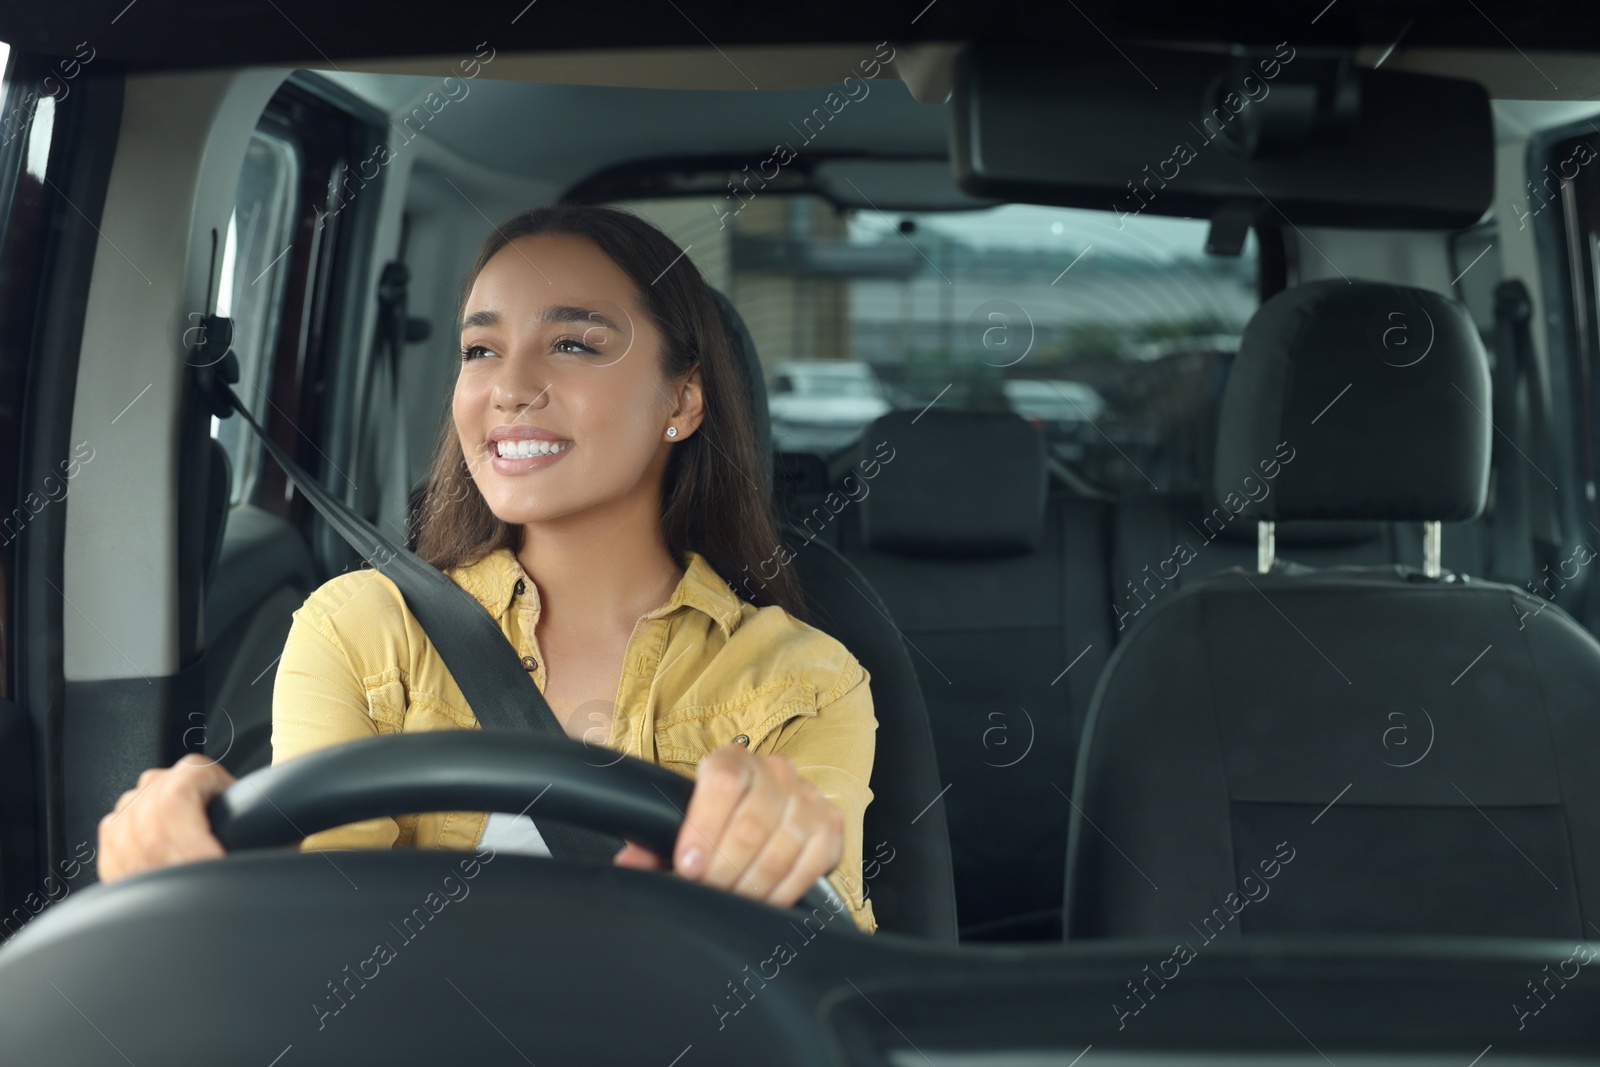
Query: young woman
(597, 483)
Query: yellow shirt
(699, 671)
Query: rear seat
(994, 572)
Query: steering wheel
(471, 770)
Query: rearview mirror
(1269, 133)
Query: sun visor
(1272, 133)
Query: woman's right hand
(162, 820)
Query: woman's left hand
(755, 827)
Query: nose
(519, 385)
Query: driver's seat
(906, 845)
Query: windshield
(1111, 336)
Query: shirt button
(529, 663)
(742, 739)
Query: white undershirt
(512, 833)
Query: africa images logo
(1401, 332)
(810, 126)
(1185, 952)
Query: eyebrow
(553, 314)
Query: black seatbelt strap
(1544, 504)
(1525, 533)
(501, 693)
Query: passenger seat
(1166, 539)
(1361, 750)
(1162, 542)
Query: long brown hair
(711, 496)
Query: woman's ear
(688, 409)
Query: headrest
(755, 381)
(1356, 400)
(951, 484)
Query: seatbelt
(501, 693)
(1525, 534)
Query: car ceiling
(190, 34)
(613, 102)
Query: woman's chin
(521, 513)
(523, 516)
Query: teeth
(529, 449)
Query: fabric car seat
(1363, 750)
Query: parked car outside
(820, 405)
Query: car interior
(1191, 424)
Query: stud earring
(672, 431)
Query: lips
(525, 464)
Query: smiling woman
(594, 484)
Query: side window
(254, 265)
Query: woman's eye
(570, 345)
(576, 346)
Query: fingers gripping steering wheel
(470, 770)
